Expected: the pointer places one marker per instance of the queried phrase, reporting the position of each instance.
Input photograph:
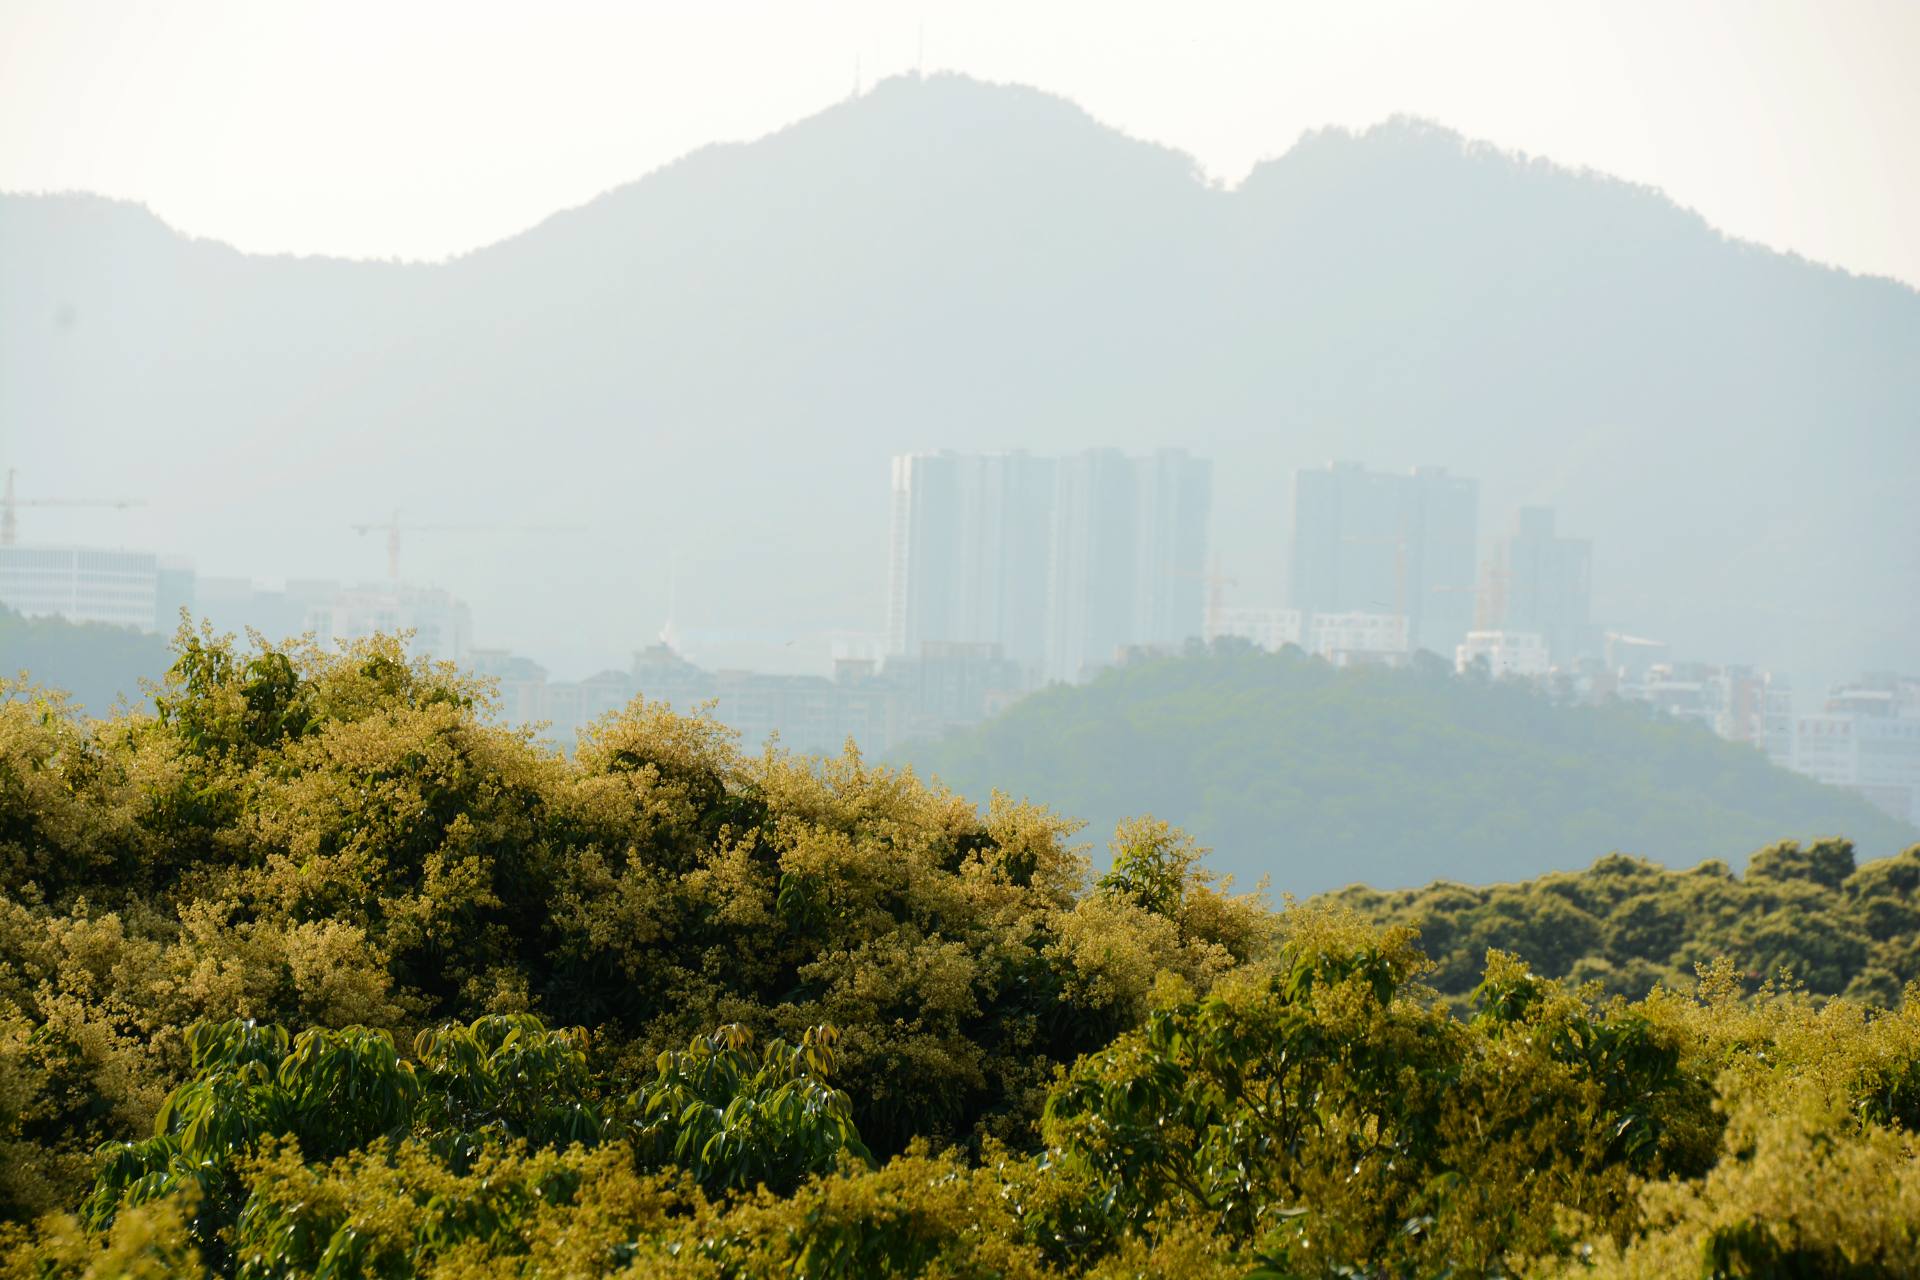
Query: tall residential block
(1543, 583)
(1059, 561)
(1387, 543)
(968, 553)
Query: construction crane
(1217, 583)
(393, 529)
(10, 505)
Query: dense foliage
(314, 971)
(1836, 927)
(1323, 777)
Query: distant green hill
(97, 664)
(1323, 777)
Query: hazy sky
(427, 127)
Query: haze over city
(971, 640)
(1510, 76)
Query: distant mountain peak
(738, 340)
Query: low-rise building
(1269, 629)
(1867, 739)
(1520, 654)
(1359, 639)
(1739, 703)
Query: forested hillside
(1318, 777)
(94, 663)
(311, 970)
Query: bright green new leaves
(1152, 865)
(505, 1077)
(736, 1118)
(329, 1091)
(733, 1115)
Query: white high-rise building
(82, 584)
(1173, 491)
(968, 554)
(1061, 562)
(1128, 556)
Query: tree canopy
(312, 969)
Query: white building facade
(82, 584)
(1506, 653)
(1359, 639)
(1269, 629)
(1867, 740)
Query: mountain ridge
(1464, 144)
(950, 264)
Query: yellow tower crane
(10, 505)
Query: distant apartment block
(1630, 657)
(1756, 707)
(521, 683)
(238, 604)
(1387, 544)
(1060, 562)
(1867, 739)
(1359, 639)
(968, 552)
(1505, 654)
(441, 625)
(1542, 583)
(84, 584)
(1269, 629)
(1740, 704)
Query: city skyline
(1017, 534)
